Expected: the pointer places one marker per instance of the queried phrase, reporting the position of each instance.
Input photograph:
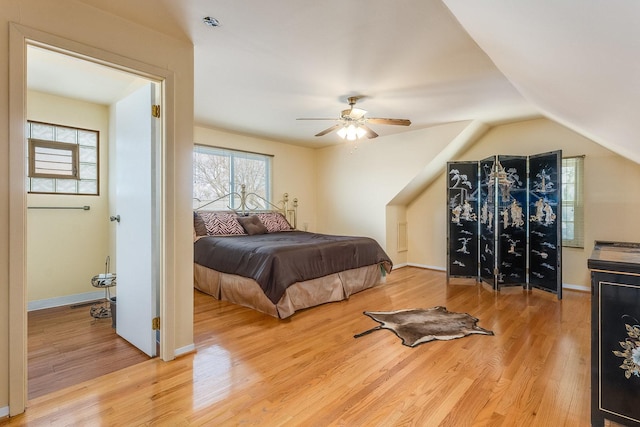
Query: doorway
(18, 241)
(66, 245)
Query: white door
(136, 213)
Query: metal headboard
(248, 205)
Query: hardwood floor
(67, 346)
(252, 369)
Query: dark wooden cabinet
(615, 333)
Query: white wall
(65, 248)
(355, 186)
(612, 186)
(294, 168)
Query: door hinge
(155, 323)
(155, 111)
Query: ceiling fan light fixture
(351, 132)
(352, 123)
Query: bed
(259, 260)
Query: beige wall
(611, 186)
(396, 215)
(294, 168)
(65, 248)
(355, 186)
(91, 30)
(428, 219)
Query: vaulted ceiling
(576, 61)
(430, 61)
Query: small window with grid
(62, 159)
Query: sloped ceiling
(577, 61)
(430, 61)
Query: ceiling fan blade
(307, 118)
(354, 116)
(370, 133)
(331, 129)
(399, 122)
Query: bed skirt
(247, 292)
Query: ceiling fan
(353, 123)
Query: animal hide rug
(417, 326)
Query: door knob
(114, 218)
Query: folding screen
(511, 206)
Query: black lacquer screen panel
(462, 208)
(545, 216)
(487, 220)
(512, 221)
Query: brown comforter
(278, 260)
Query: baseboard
(65, 300)
(4, 412)
(582, 288)
(184, 350)
(576, 287)
(428, 267)
(396, 266)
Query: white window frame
(229, 185)
(52, 159)
(574, 204)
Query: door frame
(19, 38)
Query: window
(572, 202)
(50, 159)
(62, 159)
(218, 172)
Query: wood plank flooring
(67, 346)
(251, 369)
